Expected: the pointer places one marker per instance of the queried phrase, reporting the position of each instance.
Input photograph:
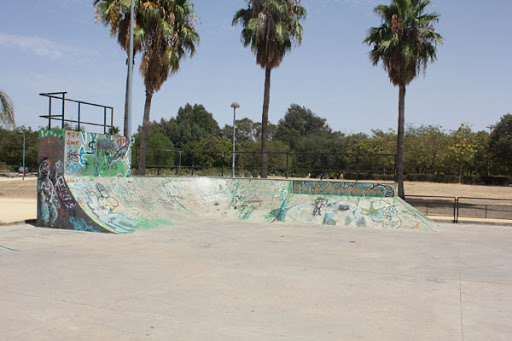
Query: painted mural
(352, 189)
(90, 154)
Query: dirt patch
(458, 190)
(18, 189)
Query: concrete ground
(239, 281)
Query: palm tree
(271, 28)
(169, 35)
(6, 110)
(116, 14)
(404, 43)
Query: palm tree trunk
(144, 133)
(126, 102)
(400, 142)
(264, 125)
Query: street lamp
(128, 128)
(235, 105)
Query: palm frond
(406, 41)
(6, 110)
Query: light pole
(235, 105)
(130, 69)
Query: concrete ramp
(84, 184)
(121, 205)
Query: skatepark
(239, 259)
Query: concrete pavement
(246, 281)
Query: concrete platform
(248, 281)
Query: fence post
(50, 112)
(287, 165)
(158, 162)
(457, 210)
(193, 163)
(136, 159)
(178, 170)
(357, 167)
(222, 164)
(78, 116)
(322, 175)
(63, 111)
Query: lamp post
(130, 70)
(235, 105)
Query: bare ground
(16, 188)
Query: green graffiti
(7, 248)
(60, 133)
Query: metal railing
(462, 207)
(285, 164)
(434, 205)
(486, 208)
(61, 96)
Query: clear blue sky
(55, 45)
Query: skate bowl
(84, 184)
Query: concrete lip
(210, 280)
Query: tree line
(431, 153)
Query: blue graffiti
(81, 225)
(92, 146)
(119, 223)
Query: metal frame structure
(61, 96)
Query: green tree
(270, 27)
(160, 149)
(211, 152)
(300, 123)
(169, 35)
(481, 163)
(424, 148)
(11, 148)
(117, 15)
(276, 159)
(193, 124)
(6, 110)
(405, 42)
(246, 131)
(463, 147)
(501, 144)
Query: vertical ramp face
(61, 153)
(122, 205)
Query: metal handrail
(455, 200)
(62, 117)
